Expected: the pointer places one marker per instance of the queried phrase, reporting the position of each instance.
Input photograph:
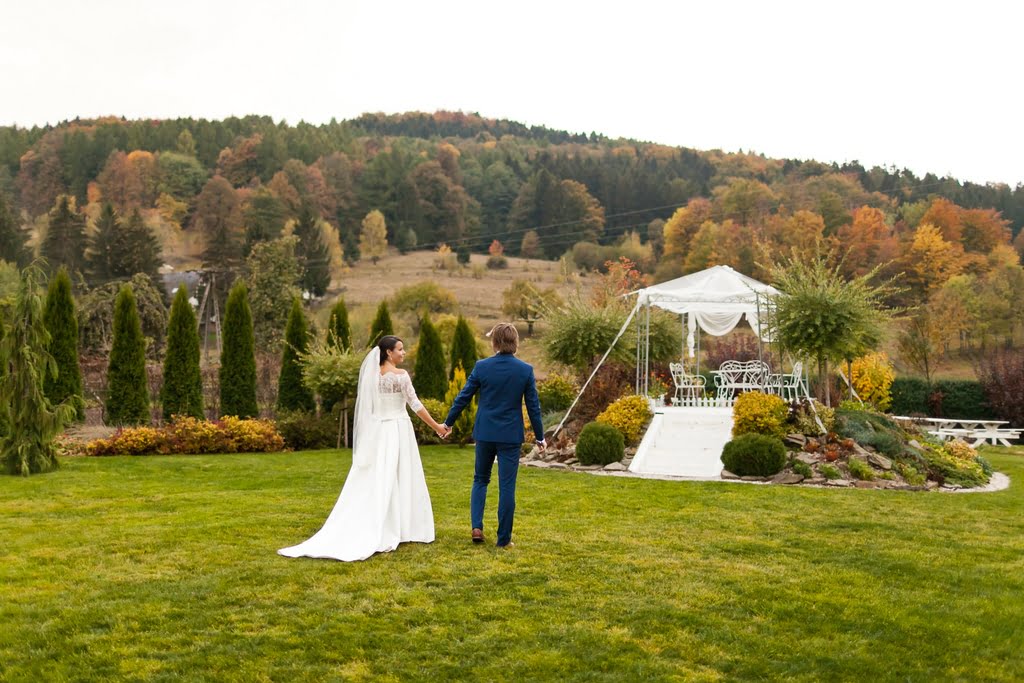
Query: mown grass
(164, 568)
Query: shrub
(830, 472)
(1001, 374)
(910, 474)
(600, 444)
(984, 464)
(960, 398)
(187, 435)
(960, 450)
(630, 415)
(292, 393)
(801, 417)
(803, 469)
(860, 469)
(182, 390)
(909, 396)
(430, 372)
(422, 298)
(62, 324)
(237, 372)
(871, 429)
(872, 376)
(613, 379)
(556, 392)
(497, 262)
(424, 434)
(303, 430)
(752, 454)
(950, 470)
(759, 413)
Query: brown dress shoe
(478, 535)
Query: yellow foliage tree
(872, 377)
(462, 430)
(373, 240)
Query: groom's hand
(542, 444)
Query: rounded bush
(630, 415)
(600, 444)
(754, 455)
(556, 392)
(759, 413)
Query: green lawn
(163, 568)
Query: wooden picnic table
(978, 430)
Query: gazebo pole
(647, 349)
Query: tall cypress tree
(65, 236)
(292, 394)
(12, 239)
(182, 389)
(341, 332)
(463, 351)
(31, 422)
(431, 378)
(381, 326)
(127, 389)
(314, 257)
(238, 357)
(62, 324)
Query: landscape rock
(807, 458)
(726, 474)
(614, 467)
(880, 461)
(787, 478)
(558, 466)
(796, 439)
(837, 482)
(816, 481)
(753, 478)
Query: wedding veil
(366, 420)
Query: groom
(503, 382)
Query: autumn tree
(292, 393)
(530, 246)
(31, 422)
(524, 301)
(679, 231)
(945, 216)
(65, 240)
(217, 218)
(866, 242)
(373, 239)
(930, 260)
(237, 372)
(562, 211)
(182, 390)
(744, 200)
(430, 372)
(65, 385)
(127, 388)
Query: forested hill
(446, 177)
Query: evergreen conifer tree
(62, 324)
(431, 378)
(65, 236)
(12, 239)
(182, 389)
(350, 246)
(340, 331)
(31, 423)
(136, 250)
(238, 357)
(292, 393)
(101, 245)
(314, 257)
(381, 326)
(463, 351)
(127, 388)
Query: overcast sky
(929, 86)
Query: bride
(384, 501)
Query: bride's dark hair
(387, 343)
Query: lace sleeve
(410, 394)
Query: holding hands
(443, 431)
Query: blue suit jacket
(502, 383)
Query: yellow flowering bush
(630, 415)
(189, 435)
(872, 376)
(759, 413)
(960, 450)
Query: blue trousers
(508, 467)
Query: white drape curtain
(718, 323)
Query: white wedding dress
(384, 501)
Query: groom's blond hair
(504, 338)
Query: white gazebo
(714, 300)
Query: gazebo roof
(716, 289)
